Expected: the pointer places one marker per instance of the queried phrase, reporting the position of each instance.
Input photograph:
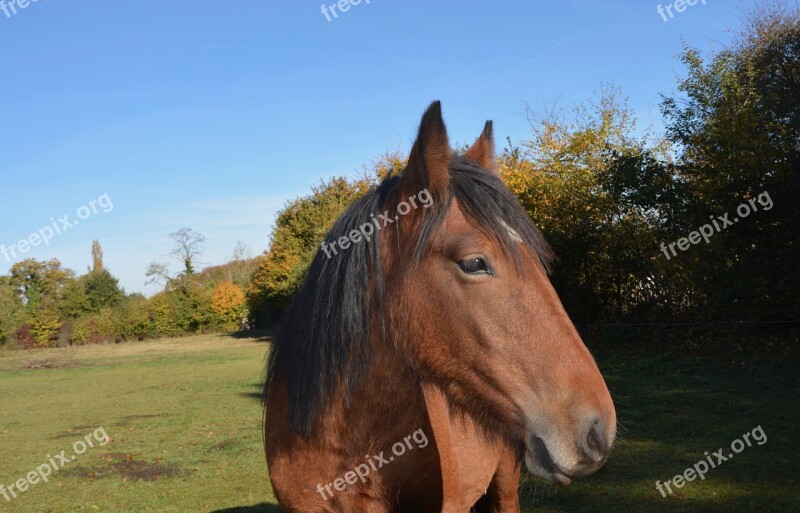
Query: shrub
(64, 337)
(104, 323)
(229, 303)
(45, 326)
(83, 331)
(95, 329)
(184, 310)
(133, 320)
(25, 338)
(164, 315)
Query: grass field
(184, 416)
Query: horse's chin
(540, 464)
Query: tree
(737, 124)
(602, 199)
(12, 311)
(102, 290)
(158, 273)
(97, 257)
(74, 301)
(240, 252)
(39, 283)
(242, 265)
(188, 246)
(388, 163)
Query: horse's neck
(391, 386)
(467, 458)
(385, 407)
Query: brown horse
(428, 356)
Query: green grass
(184, 420)
(184, 417)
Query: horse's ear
(429, 160)
(482, 152)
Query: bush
(184, 310)
(45, 326)
(64, 337)
(104, 323)
(133, 319)
(25, 339)
(83, 332)
(164, 315)
(229, 303)
(94, 329)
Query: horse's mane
(323, 338)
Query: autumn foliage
(230, 305)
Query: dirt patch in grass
(127, 420)
(227, 444)
(74, 432)
(53, 363)
(128, 468)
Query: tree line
(607, 195)
(42, 304)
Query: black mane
(323, 338)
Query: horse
(440, 326)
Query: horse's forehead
(461, 218)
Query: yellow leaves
(225, 296)
(229, 303)
(45, 325)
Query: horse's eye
(475, 265)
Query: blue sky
(212, 115)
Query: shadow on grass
(260, 335)
(258, 394)
(258, 508)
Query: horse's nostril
(591, 439)
(595, 445)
